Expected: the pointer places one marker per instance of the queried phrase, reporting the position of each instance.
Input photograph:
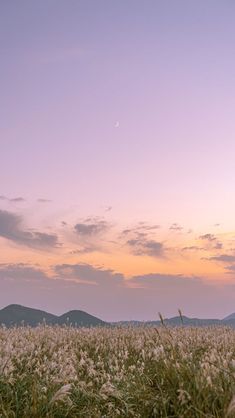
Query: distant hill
(177, 321)
(231, 316)
(17, 315)
(79, 318)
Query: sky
(117, 145)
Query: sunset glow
(117, 157)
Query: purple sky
(118, 112)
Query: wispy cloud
(193, 248)
(176, 227)
(165, 281)
(142, 246)
(140, 238)
(108, 208)
(11, 228)
(212, 240)
(224, 258)
(84, 250)
(208, 237)
(21, 272)
(87, 274)
(17, 199)
(230, 269)
(43, 200)
(91, 227)
(228, 259)
(140, 228)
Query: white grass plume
(61, 393)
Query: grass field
(128, 372)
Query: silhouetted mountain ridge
(79, 318)
(182, 321)
(17, 315)
(231, 316)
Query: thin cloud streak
(11, 228)
(18, 199)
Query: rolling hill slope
(18, 315)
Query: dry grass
(66, 372)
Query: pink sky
(117, 133)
